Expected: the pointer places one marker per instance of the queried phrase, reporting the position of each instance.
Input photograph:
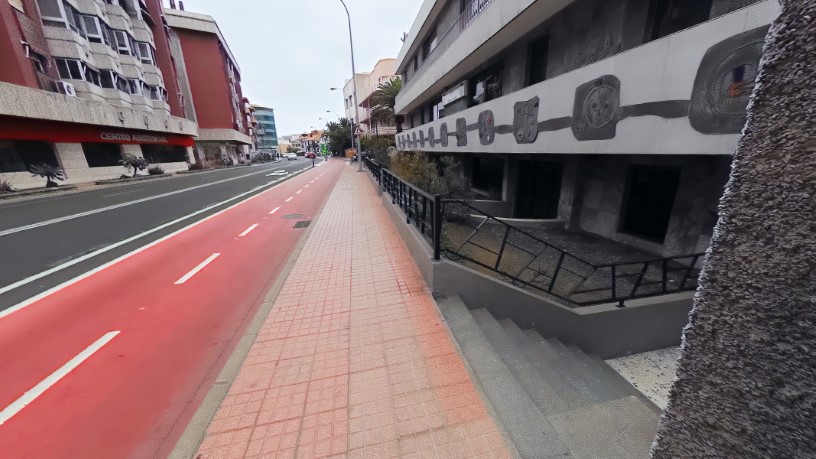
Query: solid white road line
(198, 268)
(290, 198)
(51, 291)
(248, 230)
(117, 206)
(274, 210)
(54, 378)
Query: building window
(538, 59)
(487, 179)
(93, 76)
(70, 69)
(92, 28)
(108, 80)
(20, 155)
(39, 61)
(122, 40)
(164, 153)
(135, 87)
(430, 44)
(670, 16)
(102, 154)
(121, 83)
(648, 201)
(52, 10)
(487, 85)
(145, 52)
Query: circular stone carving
(601, 106)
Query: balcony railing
(472, 10)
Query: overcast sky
(292, 51)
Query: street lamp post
(354, 80)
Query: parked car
(311, 155)
(291, 156)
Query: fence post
(437, 228)
(380, 183)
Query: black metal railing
(476, 238)
(471, 11)
(374, 167)
(421, 209)
(469, 236)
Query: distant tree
(338, 134)
(134, 163)
(49, 173)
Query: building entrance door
(649, 201)
(539, 189)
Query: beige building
(383, 72)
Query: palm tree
(49, 173)
(134, 163)
(384, 99)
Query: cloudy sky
(292, 51)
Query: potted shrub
(49, 172)
(134, 163)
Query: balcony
(683, 94)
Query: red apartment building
(211, 86)
(83, 82)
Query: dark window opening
(670, 16)
(430, 45)
(20, 155)
(649, 201)
(539, 189)
(487, 85)
(487, 179)
(102, 154)
(164, 153)
(538, 59)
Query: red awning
(12, 128)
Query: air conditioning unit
(64, 87)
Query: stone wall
(601, 186)
(745, 383)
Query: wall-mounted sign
(455, 93)
(134, 138)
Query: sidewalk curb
(196, 430)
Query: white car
(291, 156)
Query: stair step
(622, 385)
(543, 394)
(585, 369)
(525, 424)
(622, 428)
(551, 370)
(568, 366)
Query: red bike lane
(131, 393)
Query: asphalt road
(42, 235)
(115, 362)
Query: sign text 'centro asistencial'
(140, 138)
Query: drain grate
(294, 217)
(303, 224)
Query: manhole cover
(303, 224)
(294, 217)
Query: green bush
(155, 170)
(432, 176)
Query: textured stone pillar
(746, 383)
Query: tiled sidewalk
(354, 359)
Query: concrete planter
(18, 194)
(138, 178)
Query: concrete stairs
(552, 400)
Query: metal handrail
(424, 208)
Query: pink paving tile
(356, 361)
